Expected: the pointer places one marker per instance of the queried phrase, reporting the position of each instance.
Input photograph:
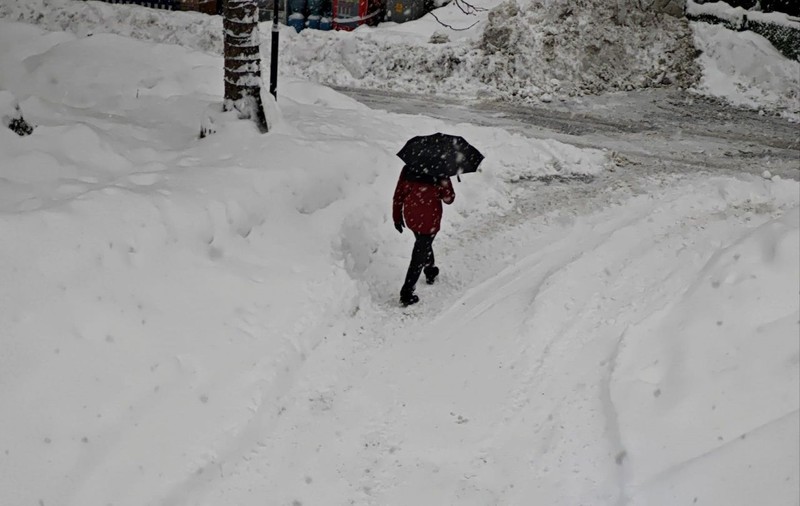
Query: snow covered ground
(209, 322)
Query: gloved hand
(399, 226)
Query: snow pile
(523, 52)
(713, 380)
(745, 69)
(508, 52)
(366, 59)
(734, 16)
(188, 29)
(589, 47)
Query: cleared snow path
(513, 381)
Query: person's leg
(420, 257)
(431, 271)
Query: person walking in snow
(417, 204)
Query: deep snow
(214, 321)
(531, 51)
(745, 69)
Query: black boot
(431, 272)
(408, 297)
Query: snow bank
(188, 29)
(781, 30)
(745, 69)
(736, 15)
(560, 48)
(712, 381)
(509, 52)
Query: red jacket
(420, 203)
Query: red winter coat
(420, 203)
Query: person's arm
(446, 191)
(397, 204)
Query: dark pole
(273, 61)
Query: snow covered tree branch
(465, 7)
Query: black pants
(421, 257)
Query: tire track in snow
(509, 282)
(576, 252)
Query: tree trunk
(243, 61)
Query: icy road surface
(672, 129)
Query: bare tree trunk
(243, 61)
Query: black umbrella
(440, 155)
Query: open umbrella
(440, 155)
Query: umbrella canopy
(440, 155)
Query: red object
(421, 203)
(349, 14)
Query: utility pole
(273, 61)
